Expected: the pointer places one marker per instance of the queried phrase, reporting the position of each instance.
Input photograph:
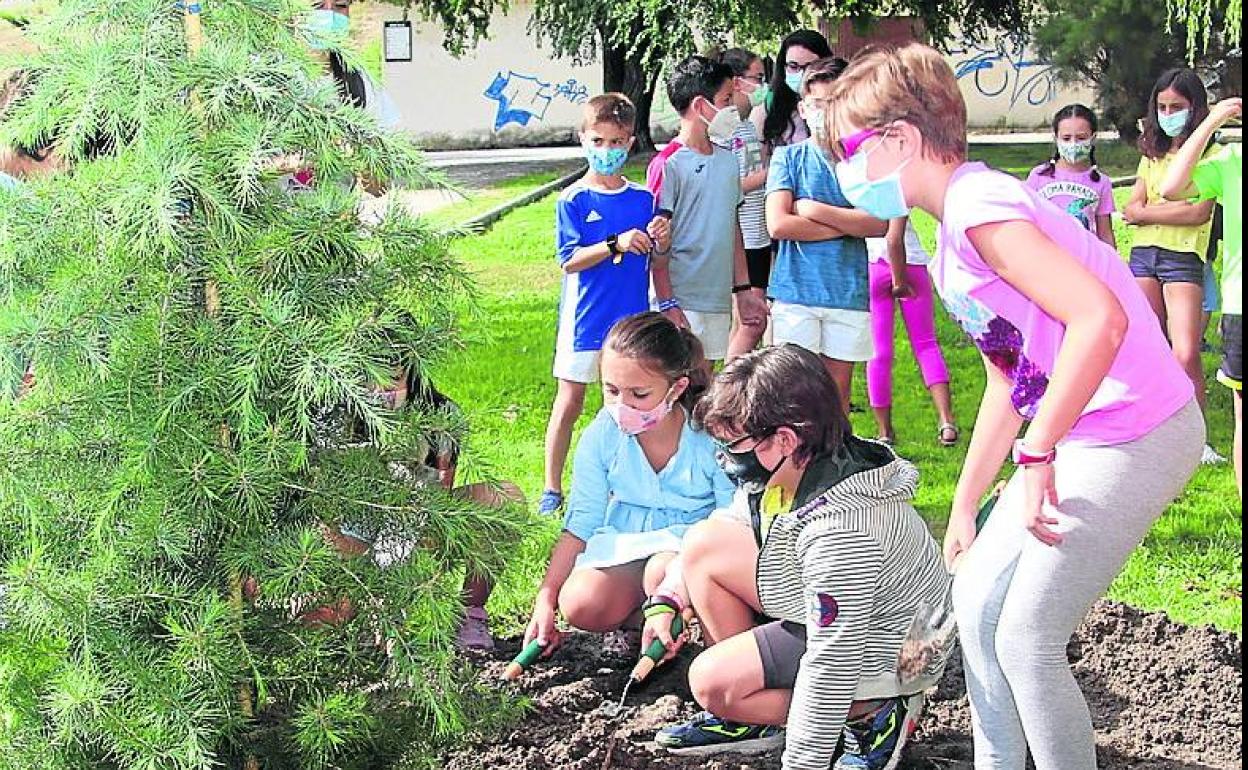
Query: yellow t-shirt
(1191, 239)
(774, 503)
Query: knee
(698, 545)
(582, 609)
(712, 685)
(570, 399)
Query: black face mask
(745, 470)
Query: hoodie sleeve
(840, 569)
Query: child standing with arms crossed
(1172, 237)
(705, 277)
(606, 228)
(1070, 179)
(1221, 177)
(1073, 352)
(819, 282)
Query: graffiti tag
(523, 99)
(1004, 69)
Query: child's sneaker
(707, 734)
(474, 631)
(1211, 457)
(549, 503)
(874, 741)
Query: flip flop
(947, 427)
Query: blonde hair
(913, 83)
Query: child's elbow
(878, 228)
(1115, 325)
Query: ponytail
(1050, 168)
(661, 346)
(1095, 172)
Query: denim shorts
(1167, 266)
(1231, 372)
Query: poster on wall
(397, 40)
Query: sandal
(944, 429)
(888, 441)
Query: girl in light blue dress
(642, 475)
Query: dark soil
(1163, 697)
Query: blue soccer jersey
(594, 299)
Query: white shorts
(843, 335)
(713, 331)
(576, 366)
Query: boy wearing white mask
(819, 283)
(705, 278)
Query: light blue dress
(626, 511)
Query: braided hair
(1080, 112)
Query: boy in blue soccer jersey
(606, 229)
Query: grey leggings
(1018, 601)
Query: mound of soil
(1163, 697)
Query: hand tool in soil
(653, 656)
(933, 628)
(527, 657)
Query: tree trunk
(624, 73)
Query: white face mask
(725, 123)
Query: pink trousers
(920, 320)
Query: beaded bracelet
(668, 304)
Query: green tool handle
(529, 655)
(656, 650)
(985, 511)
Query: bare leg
(719, 563)
(477, 588)
(1183, 321)
(569, 402)
(1152, 290)
(1239, 445)
(842, 373)
(884, 422)
(601, 600)
(745, 338)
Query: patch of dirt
(1163, 697)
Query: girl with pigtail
(1071, 179)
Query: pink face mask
(633, 421)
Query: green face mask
(760, 95)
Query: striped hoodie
(852, 561)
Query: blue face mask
(1174, 123)
(794, 81)
(327, 29)
(606, 160)
(881, 198)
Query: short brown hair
(825, 70)
(776, 387)
(913, 83)
(614, 108)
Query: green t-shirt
(1220, 177)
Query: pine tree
(202, 345)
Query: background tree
(1119, 46)
(1197, 19)
(170, 454)
(634, 38)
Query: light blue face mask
(327, 29)
(794, 81)
(606, 160)
(882, 198)
(1174, 123)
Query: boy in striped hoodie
(821, 543)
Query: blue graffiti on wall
(524, 98)
(1002, 68)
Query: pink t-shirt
(1075, 192)
(1145, 385)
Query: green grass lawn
(1190, 564)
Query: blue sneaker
(549, 503)
(707, 734)
(874, 741)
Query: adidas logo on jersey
(594, 216)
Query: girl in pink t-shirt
(1070, 179)
(1073, 354)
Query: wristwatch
(613, 244)
(1023, 457)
